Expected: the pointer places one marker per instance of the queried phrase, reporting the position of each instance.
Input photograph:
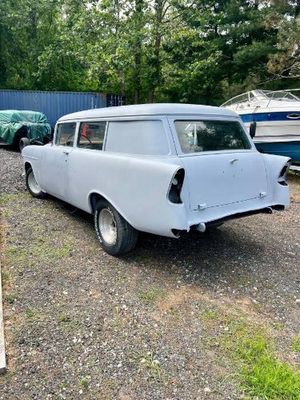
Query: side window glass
(91, 135)
(65, 134)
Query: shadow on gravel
(9, 148)
(213, 252)
(210, 251)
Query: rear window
(199, 136)
(137, 137)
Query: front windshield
(282, 95)
(258, 96)
(206, 135)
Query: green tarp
(12, 120)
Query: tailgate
(219, 179)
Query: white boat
(274, 118)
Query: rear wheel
(32, 185)
(115, 234)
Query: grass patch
(32, 315)
(10, 298)
(64, 318)
(4, 213)
(263, 375)
(211, 314)
(295, 345)
(6, 277)
(37, 252)
(278, 326)
(69, 324)
(6, 198)
(84, 382)
(175, 313)
(251, 352)
(149, 363)
(151, 295)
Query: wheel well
(27, 166)
(21, 132)
(94, 198)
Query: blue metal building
(55, 104)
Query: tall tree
(285, 63)
(199, 51)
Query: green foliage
(84, 382)
(263, 375)
(151, 295)
(295, 345)
(10, 298)
(159, 50)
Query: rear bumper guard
(266, 210)
(201, 227)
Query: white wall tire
(32, 185)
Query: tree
(197, 51)
(285, 63)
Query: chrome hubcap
(34, 186)
(107, 226)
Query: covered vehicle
(16, 125)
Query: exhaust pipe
(201, 227)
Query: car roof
(148, 109)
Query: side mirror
(252, 129)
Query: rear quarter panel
(137, 187)
(279, 194)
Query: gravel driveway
(160, 323)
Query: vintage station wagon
(159, 168)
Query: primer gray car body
(165, 168)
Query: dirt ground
(159, 323)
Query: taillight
(176, 186)
(282, 179)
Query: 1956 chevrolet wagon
(158, 168)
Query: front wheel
(32, 185)
(115, 234)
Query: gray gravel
(82, 324)
(10, 169)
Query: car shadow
(216, 253)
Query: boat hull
(276, 115)
(277, 137)
(287, 149)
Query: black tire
(124, 237)
(32, 185)
(24, 141)
(21, 133)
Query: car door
(56, 161)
